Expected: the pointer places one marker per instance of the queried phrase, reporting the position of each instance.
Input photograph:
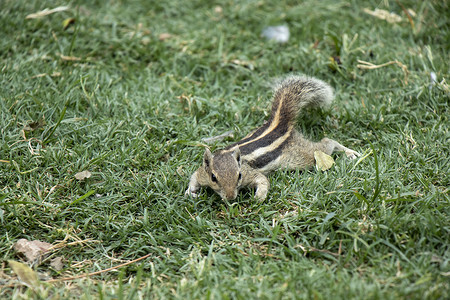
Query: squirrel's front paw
(190, 193)
(351, 154)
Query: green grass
(132, 109)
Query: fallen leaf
(25, 273)
(31, 126)
(323, 161)
(83, 175)
(46, 12)
(57, 263)
(32, 250)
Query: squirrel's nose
(230, 195)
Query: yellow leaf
(323, 161)
(25, 273)
(67, 22)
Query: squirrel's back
(291, 95)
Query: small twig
(99, 272)
(63, 244)
(84, 275)
(369, 66)
(407, 14)
(210, 140)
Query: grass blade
(82, 198)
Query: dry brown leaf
(31, 126)
(83, 175)
(25, 273)
(46, 12)
(57, 263)
(32, 250)
(323, 160)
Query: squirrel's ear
(207, 158)
(237, 154)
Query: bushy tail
(291, 96)
(295, 93)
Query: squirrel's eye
(240, 176)
(213, 178)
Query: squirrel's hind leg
(329, 146)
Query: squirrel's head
(224, 171)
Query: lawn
(104, 106)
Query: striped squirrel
(274, 145)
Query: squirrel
(277, 144)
